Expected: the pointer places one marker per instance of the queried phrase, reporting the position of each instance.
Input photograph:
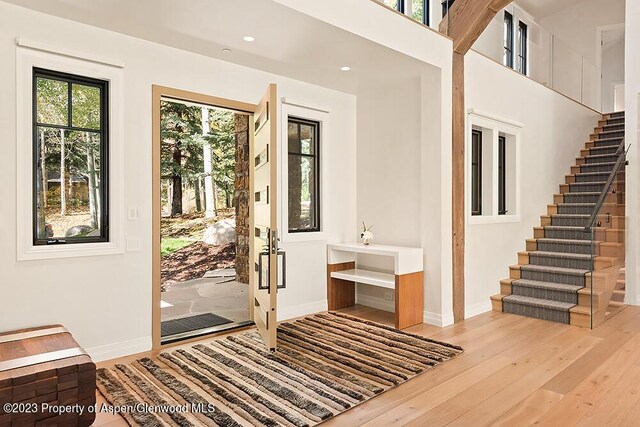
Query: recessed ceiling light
(248, 38)
(345, 68)
(226, 50)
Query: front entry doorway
(215, 246)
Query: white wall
(423, 203)
(399, 183)
(554, 130)
(106, 301)
(576, 25)
(632, 133)
(612, 72)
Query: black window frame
(476, 172)
(426, 14)
(523, 36)
(400, 6)
(502, 175)
(72, 79)
(316, 156)
(508, 41)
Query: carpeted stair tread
(556, 270)
(549, 286)
(582, 184)
(560, 255)
(537, 302)
(568, 227)
(565, 241)
(580, 216)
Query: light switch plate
(133, 213)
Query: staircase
(553, 278)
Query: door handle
(282, 285)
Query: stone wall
(241, 197)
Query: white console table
(406, 279)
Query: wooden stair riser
(523, 258)
(606, 220)
(613, 209)
(584, 298)
(496, 303)
(572, 178)
(514, 272)
(613, 250)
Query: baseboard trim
(120, 349)
(379, 303)
(436, 319)
(476, 309)
(286, 313)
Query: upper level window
(420, 11)
(303, 176)
(70, 143)
(522, 48)
(508, 40)
(476, 172)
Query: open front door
(266, 255)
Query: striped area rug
(325, 364)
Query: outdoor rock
(79, 230)
(220, 233)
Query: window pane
(68, 190)
(391, 3)
(52, 101)
(85, 106)
(418, 10)
(476, 173)
(302, 191)
(307, 139)
(294, 138)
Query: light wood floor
(514, 371)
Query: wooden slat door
(264, 279)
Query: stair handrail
(612, 176)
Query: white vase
(367, 237)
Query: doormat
(192, 323)
(324, 365)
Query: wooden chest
(45, 379)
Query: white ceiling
(287, 42)
(542, 8)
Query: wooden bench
(43, 370)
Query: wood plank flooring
(514, 371)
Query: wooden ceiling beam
(467, 19)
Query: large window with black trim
(522, 47)
(70, 158)
(303, 178)
(508, 40)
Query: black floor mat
(192, 323)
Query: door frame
(158, 92)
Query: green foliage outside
(183, 142)
(68, 160)
(169, 245)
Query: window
(70, 158)
(522, 48)
(303, 178)
(395, 4)
(476, 172)
(508, 40)
(420, 11)
(502, 175)
(446, 5)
